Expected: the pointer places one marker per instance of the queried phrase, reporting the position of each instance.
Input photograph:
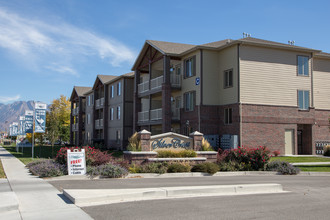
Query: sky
(49, 46)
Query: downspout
(239, 97)
(201, 93)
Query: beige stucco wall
(269, 76)
(321, 79)
(188, 84)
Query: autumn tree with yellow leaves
(58, 120)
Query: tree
(58, 120)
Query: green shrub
(206, 146)
(282, 167)
(326, 151)
(107, 170)
(153, 168)
(206, 167)
(134, 143)
(178, 168)
(175, 153)
(133, 168)
(234, 166)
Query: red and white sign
(76, 162)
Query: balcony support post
(166, 97)
(136, 100)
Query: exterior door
(289, 143)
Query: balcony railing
(75, 111)
(143, 116)
(75, 127)
(157, 83)
(99, 103)
(99, 123)
(143, 87)
(175, 80)
(176, 114)
(156, 114)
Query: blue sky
(48, 46)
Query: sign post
(76, 162)
(39, 120)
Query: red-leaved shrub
(94, 157)
(276, 153)
(251, 158)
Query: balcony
(99, 103)
(176, 114)
(152, 115)
(75, 127)
(99, 124)
(75, 111)
(156, 83)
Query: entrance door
(289, 143)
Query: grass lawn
(2, 172)
(315, 168)
(39, 152)
(301, 159)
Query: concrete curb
(82, 197)
(311, 163)
(188, 174)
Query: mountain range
(10, 113)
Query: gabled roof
(178, 49)
(106, 78)
(79, 91)
(127, 75)
(103, 79)
(323, 55)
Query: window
(93, 99)
(118, 112)
(228, 116)
(119, 88)
(118, 137)
(303, 99)
(189, 99)
(303, 67)
(112, 91)
(111, 114)
(190, 69)
(89, 100)
(228, 78)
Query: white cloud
(5, 99)
(62, 69)
(41, 43)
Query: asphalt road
(309, 198)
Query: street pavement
(308, 198)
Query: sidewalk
(311, 163)
(36, 198)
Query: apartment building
(265, 93)
(108, 110)
(77, 117)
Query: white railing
(143, 116)
(143, 87)
(175, 80)
(156, 114)
(176, 113)
(101, 122)
(75, 111)
(97, 123)
(157, 82)
(97, 103)
(102, 101)
(75, 127)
